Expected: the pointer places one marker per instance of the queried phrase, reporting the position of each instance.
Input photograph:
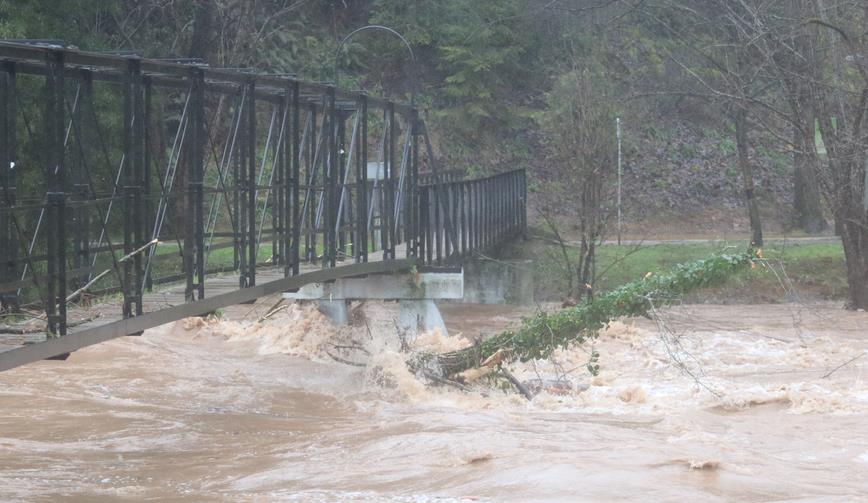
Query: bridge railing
(460, 218)
(119, 172)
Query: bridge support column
(335, 310)
(416, 294)
(498, 282)
(417, 316)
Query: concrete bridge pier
(415, 292)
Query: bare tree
(825, 81)
(578, 125)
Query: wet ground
(714, 403)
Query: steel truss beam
(141, 143)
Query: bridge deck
(166, 304)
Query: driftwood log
(540, 335)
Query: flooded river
(717, 403)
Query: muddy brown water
(727, 403)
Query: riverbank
(807, 268)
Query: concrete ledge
(498, 282)
(434, 285)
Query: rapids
(718, 403)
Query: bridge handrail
(483, 213)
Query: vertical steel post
(523, 203)
(438, 230)
(138, 175)
(128, 189)
(295, 179)
(310, 238)
(197, 148)
(251, 183)
(134, 215)
(462, 219)
(194, 235)
(281, 185)
(148, 205)
(237, 167)
(360, 238)
(79, 182)
(55, 120)
(331, 180)
(83, 189)
(8, 185)
(389, 251)
(341, 239)
(412, 231)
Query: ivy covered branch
(540, 335)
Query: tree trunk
(744, 165)
(806, 190)
(854, 237)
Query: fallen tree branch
(518, 385)
(848, 362)
(539, 336)
(344, 361)
(90, 283)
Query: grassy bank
(816, 270)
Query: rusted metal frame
(438, 234)
(133, 134)
(240, 201)
(460, 222)
(377, 197)
(340, 182)
(458, 215)
(194, 225)
(9, 232)
(422, 248)
(295, 180)
(332, 172)
(477, 210)
(312, 157)
(250, 187)
(277, 110)
(344, 216)
(10, 194)
(53, 176)
(401, 200)
(489, 214)
(430, 208)
(360, 236)
(108, 64)
(129, 87)
(221, 191)
(389, 175)
(65, 140)
(324, 214)
(147, 117)
(448, 228)
(412, 192)
(279, 218)
(167, 182)
(81, 188)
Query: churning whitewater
(711, 403)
